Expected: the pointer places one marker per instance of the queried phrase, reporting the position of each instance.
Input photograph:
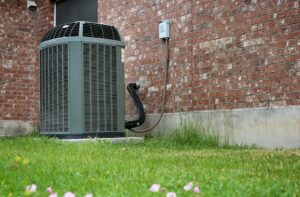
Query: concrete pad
(120, 140)
(15, 128)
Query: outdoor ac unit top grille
(65, 30)
(100, 31)
(93, 30)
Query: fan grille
(93, 30)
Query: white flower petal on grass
(88, 195)
(171, 194)
(49, 190)
(197, 190)
(154, 188)
(31, 188)
(27, 189)
(188, 187)
(69, 194)
(53, 195)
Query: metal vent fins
(100, 31)
(54, 88)
(65, 30)
(92, 30)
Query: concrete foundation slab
(15, 128)
(262, 127)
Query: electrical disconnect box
(164, 29)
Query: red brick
(242, 57)
(16, 67)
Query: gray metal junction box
(81, 81)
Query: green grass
(192, 134)
(129, 170)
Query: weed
(192, 134)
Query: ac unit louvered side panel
(86, 86)
(100, 88)
(65, 95)
(107, 86)
(54, 89)
(114, 92)
(42, 81)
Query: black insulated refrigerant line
(132, 88)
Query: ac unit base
(87, 135)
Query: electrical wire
(167, 62)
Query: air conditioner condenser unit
(81, 81)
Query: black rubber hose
(132, 89)
(164, 92)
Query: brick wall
(225, 54)
(20, 32)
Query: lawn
(129, 170)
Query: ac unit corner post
(82, 81)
